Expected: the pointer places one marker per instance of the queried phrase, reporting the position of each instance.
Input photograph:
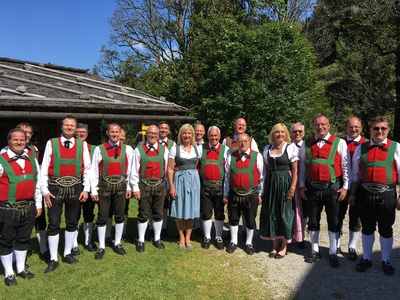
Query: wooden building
(42, 94)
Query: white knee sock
(101, 232)
(207, 225)
(333, 242)
(219, 227)
(234, 234)
(367, 244)
(119, 228)
(53, 246)
(314, 237)
(249, 238)
(353, 237)
(386, 247)
(141, 230)
(69, 242)
(75, 242)
(41, 237)
(157, 226)
(88, 231)
(20, 258)
(7, 261)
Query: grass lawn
(171, 273)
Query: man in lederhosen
(20, 204)
(353, 129)
(111, 165)
(212, 171)
(323, 182)
(65, 179)
(148, 182)
(243, 189)
(375, 172)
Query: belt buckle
(67, 181)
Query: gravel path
(293, 278)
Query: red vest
(212, 163)
(378, 165)
(152, 162)
(114, 166)
(244, 174)
(323, 164)
(351, 146)
(66, 162)
(17, 184)
(233, 145)
(169, 143)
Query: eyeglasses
(297, 131)
(381, 128)
(242, 142)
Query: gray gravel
(293, 278)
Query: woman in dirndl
(277, 211)
(184, 183)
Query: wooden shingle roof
(35, 90)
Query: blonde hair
(278, 127)
(183, 128)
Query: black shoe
(91, 247)
(119, 250)
(45, 256)
(301, 245)
(125, 238)
(198, 232)
(139, 246)
(231, 247)
(363, 265)
(205, 244)
(333, 261)
(249, 249)
(312, 257)
(69, 259)
(159, 244)
(352, 254)
(387, 268)
(10, 280)
(52, 266)
(26, 274)
(109, 242)
(99, 253)
(219, 243)
(75, 251)
(164, 232)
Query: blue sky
(64, 32)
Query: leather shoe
(119, 250)
(139, 246)
(219, 243)
(333, 261)
(205, 244)
(26, 274)
(159, 244)
(10, 280)
(272, 254)
(387, 268)
(75, 251)
(363, 265)
(249, 249)
(99, 253)
(312, 257)
(352, 254)
(69, 259)
(231, 247)
(91, 247)
(52, 266)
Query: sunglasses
(297, 131)
(381, 128)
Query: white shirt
(356, 161)
(260, 168)
(48, 151)
(97, 158)
(253, 145)
(134, 175)
(292, 151)
(344, 160)
(184, 153)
